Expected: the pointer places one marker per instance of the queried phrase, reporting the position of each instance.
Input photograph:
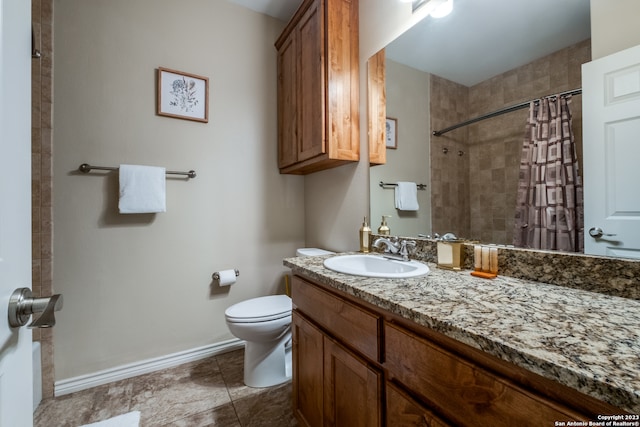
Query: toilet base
(267, 364)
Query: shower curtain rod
(500, 112)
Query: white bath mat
(131, 419)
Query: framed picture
(183, 95)
(391, 133)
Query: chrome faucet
(391, 247)
(404, 251)
(395, 250)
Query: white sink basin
(375, 266)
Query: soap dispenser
(384, 230)
(365, 237)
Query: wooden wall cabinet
(318, 87)
(357, 365)
(377, 108)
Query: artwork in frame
(391, 133)
(183, 95)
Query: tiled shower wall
(491, 148)
(450, 206)
(41, 175)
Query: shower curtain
(549, 211)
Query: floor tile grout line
(121, 396)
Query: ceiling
(493, 35)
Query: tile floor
(208, 392)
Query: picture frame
(391, 133)
(182, 95)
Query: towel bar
(86, 168)
(387, 184)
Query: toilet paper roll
(227, 277)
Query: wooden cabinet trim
(307, 397)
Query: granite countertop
(585, 340)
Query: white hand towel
(142, 189)
(407, 196)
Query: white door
(611, 128)
(16, 394)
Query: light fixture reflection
(436, 8)
(442, 9)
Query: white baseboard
(106, 376)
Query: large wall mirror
(481, 58)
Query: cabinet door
(287, 101)
(376, 108)
(310, 75)
(352, 390)
(403, 411)
(307, 372)
(343, 89)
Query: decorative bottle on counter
(384, 230)
(365, 237)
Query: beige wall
(614, 26)
(139, 286)
(407, 93)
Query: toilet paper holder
(216, 275)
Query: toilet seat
(261, 309)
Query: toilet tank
(312, 252)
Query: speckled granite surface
(610, 276)
(585, 340)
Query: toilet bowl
(264, 324)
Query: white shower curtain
(549, 211)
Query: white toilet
(264, 323)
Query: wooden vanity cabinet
(464, 392)
(334, 384)
(357, 365)
(318, 87)
(404, 411)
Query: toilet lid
(260, 309)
